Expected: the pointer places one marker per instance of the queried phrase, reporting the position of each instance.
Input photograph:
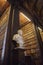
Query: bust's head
(20, 32)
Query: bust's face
(20, 32)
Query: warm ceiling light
(25, 16)
(39, 28)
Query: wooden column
(16, 26)
(16, 20)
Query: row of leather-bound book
(3, 24)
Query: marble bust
(19, 38)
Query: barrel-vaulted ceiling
(34, 7)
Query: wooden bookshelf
(3, 25)
(31, 42)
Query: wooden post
(15, 27)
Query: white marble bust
(19, 38)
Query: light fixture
(39, 28)
(25, 16)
